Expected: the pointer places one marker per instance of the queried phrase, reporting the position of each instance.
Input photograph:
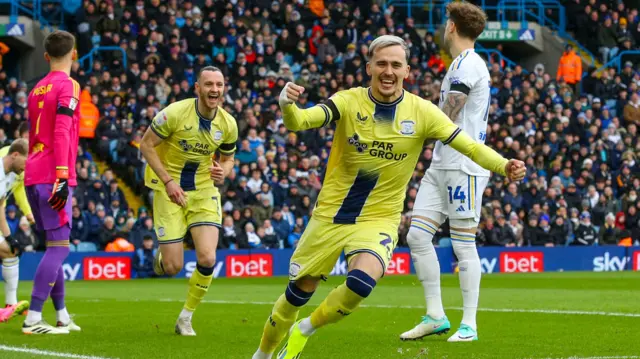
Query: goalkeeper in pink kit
(50, 177)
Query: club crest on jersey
(217, 136)
(407, 127)
(294, 269)
(161, 231)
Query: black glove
(14, 246)
(59, 195)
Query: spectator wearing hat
(13, 220)
(609, 233)
(585, 234)
(143, 258)
(608, 40)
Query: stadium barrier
(267, 263)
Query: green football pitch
(545, 315)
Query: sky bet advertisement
(264, 263)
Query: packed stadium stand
(565, 99)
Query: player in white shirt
(11, 166)
(452, 187)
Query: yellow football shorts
(173, 221)
(322, 243)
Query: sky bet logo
(636, 261)
(521, 262)
(609, 263)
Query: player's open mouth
(213, 97)
(387, 83)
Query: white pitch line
(497, 310)
(605, 357)
(48, 353)
(502, 310)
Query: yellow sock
(337, 305)
(282, 317)
(198, 287)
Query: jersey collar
(204, 123)
(380, 103)
(201, 116)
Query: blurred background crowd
(578, 137)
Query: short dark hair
(469, 18)
(23, 128)
(59, 43)
(208, 68)
(21, 146)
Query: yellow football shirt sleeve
(228, 147)
(297, 119)
(20, 195)
(440, 127)
(164, 123)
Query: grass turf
(135, 319)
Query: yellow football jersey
(375, 149)
(190, 141)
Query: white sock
(33, 317)
(63, 316)
(11, 275)
(186, 313)
(470, 273)
(425, 260)
(259, 354)
(306, 328)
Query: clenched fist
(290, 94)
(516, 170)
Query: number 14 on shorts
(457, 194)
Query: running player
(12, 163)
(452, 187)
(50, 177)
(179, 147)
(379, 136)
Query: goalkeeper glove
(14, 246)
(60, 192)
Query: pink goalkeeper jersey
(54, 125)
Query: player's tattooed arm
(454, 104)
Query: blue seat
(87, 247)
(445, 242)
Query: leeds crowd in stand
(580, 143)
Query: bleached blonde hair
(385, 41)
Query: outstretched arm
(441, 128)
(296, 119)
(479, 153)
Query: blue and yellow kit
(189, 143)
(375, 149)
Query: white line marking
(47, 353)
(497, 310)
(501, 310)
(606, 357)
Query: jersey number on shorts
(456, 195)
(386, 243)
